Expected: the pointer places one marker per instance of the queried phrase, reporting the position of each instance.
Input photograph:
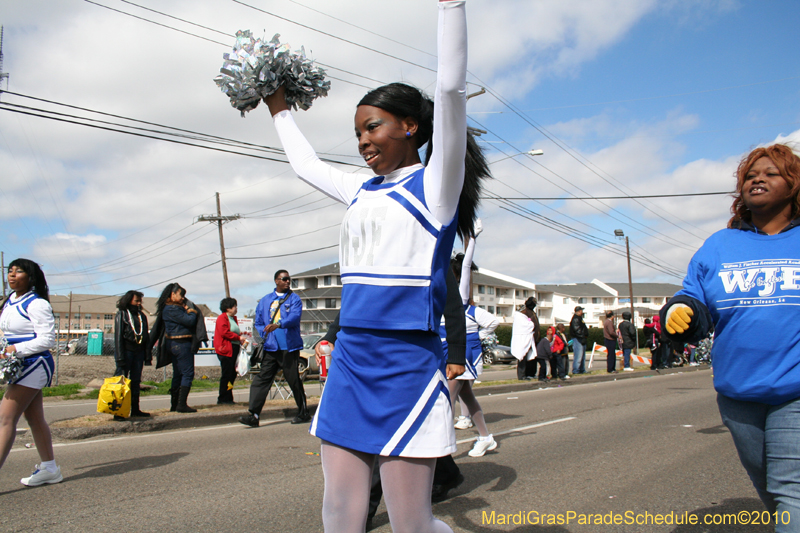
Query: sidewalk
(101, 425)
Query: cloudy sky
(625, 97)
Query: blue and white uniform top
(28, 323)
(480, 324)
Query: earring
(408, 134)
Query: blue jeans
(626, 357)
(766, 437)
(182, 363)
(578, 357)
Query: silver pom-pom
(257, 68)
(10, 367)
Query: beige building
(94, 311)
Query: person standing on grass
(28, 325)
(227, 343)
(745, 281)
(131, 338)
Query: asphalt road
(648, 445)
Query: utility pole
(3, 267)
(3, 75)
(620, 233)
(219, 219)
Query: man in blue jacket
(278, 323)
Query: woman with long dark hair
(175, 331)
(386, 392)
(131, 338)
(743, 281)
(29, 326)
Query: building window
(77, 317)
(566, 300)
(490, 290)
(481, 289)
(490, 309)
(57, 315)
(595, 300)
(295, 283)
(326, 281)
(581, 300)
(311, 304)
(524, 294)
(108, 317)
(646, 300)
(330, 303)
(108, 327)
(482, 306)
(517, 294)
(338, 280)
(88, 317)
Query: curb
(215, 416)
(204, 417)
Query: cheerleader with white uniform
(480, 323)
(28, 324)
(386, 392)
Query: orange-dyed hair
(788, 165)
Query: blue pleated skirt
(387, 394)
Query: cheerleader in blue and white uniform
(28, 324)
(480, 323)
(386, 392)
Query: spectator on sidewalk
(179, 329)
(628, 339)
(524, 336)
(559, 364)
(131, 338)
(278, 322)
(544, 352)
(228, 340)
(579, 334)
(610, 342)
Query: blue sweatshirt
(750, 284)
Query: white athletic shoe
(628, 369)
(483, 446)
(42, 476)
(464, 422)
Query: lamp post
(529, 152)
(620, 233)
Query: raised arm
(341, 186)
(466, 266)
(444, 175)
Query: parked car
(494, 353)
(307, 366)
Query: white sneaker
(482, 446)
(42, 476)
(694, 364)
(629, 369)
(566, 376)
(464, 422)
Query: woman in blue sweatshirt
(743, 281)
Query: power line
(617, 197)
(289, 254)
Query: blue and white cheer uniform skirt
(474, 359)
(37, 371)
(387, 394)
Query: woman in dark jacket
(131, 339)
(227, 343)
(178, 319)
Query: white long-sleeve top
(39, 326)
(444, 174)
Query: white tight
(462, 389)
(406, 484)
